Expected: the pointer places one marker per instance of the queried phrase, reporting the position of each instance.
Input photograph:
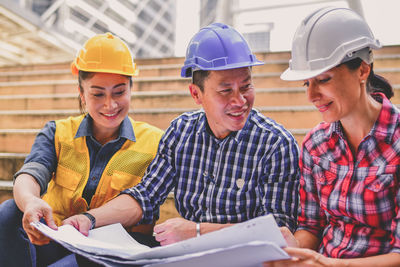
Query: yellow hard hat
(105, 53)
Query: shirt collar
(384, 126)
(387, 121)
(203, 127)
(125, 130)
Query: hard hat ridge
(326, 38)
(217, 47)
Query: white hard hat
(326, 38)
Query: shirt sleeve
(311, 216)
(42, 161)
(395, 227)
(158, 179)
(282, 182)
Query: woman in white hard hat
(350, 163)
(81, 162)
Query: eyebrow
(248, 78)
(102, 88)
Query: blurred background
(35, 31)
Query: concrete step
(5, 193)
(274, 62)
(393, 49)
(155, 99)
(39, 87)
(10, 163)
(21, 140)
(17, 140)
(288, 96)
(163, 83)
(160, 67)
(62, 72)
(161, 117)
(36, 75)
(167, 209)
(36, 67)
(386, 61)
(168, 70)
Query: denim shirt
(41, 163)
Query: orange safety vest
(124, 170)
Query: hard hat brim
(74, 69)
(298, 75)
(195, 67)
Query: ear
(81, 96)
(196, 93)
(364, 71)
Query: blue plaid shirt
(251, 172)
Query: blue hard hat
(217, 47)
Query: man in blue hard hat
(226, 163)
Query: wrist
(91, 218)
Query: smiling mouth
(237, 113)
(110, 115)
(323, 108)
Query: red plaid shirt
(352, 204)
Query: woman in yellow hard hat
(81, 162)
(350, 163)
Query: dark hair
(375, 83)
(198, 78)
(83, 75)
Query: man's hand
(174, 230)
(80, 222)
(36, 209)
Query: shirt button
(93, 178)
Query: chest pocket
(380, 183)
(67, 178)
(379, 199)
(328, 178)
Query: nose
(238, 98)
(312, 91)
(110, 102)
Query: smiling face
(107, 98)
(337, 92)
(227, 99)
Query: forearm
(211, 227)
(123, 209)
(306, 239)
(25, 189)
(178, 229)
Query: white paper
(243, 255)
(107, 240)
(113, 246)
